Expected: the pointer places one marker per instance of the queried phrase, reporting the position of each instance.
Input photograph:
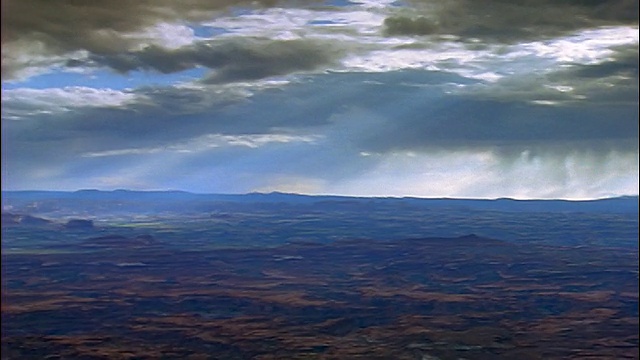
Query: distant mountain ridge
(34, 201)
(274, 195)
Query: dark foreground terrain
(200, 287)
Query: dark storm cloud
(231, 60)
(509, 21)
(405, 110)
(580, 107)
(465, 124)
(163, 116)
(99, 27)
(379, 113)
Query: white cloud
(494, 62)
(279, 23)
(258, 140)
(360, 27)
(211, 141)
(171, 36)
(23, 59)
(449, 56)
(375, 3)
(584, 47)
(23, 102)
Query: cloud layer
(424, 98)
(509, 21)
(231, 61)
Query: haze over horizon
(318, 195)
(422, 98)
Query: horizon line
(327, 194)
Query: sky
(528, 99)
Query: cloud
(231, 60)
(612, 79)
(99, 28)
(250, 41)
(376, 113)
(468, 123)
(48, 131)
(211, 141)
(508, 21)
(414, 110)
(22, 103)
(351, 21)
(493, 62)
(493, 98)
(277, 58)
